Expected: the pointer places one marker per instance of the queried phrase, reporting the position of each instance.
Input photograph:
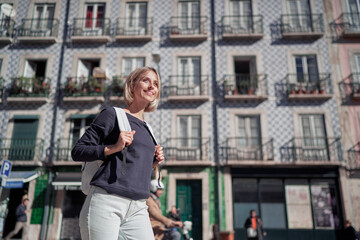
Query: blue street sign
(5, 168)
(17, 184)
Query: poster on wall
(298, 207)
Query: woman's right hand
(125, 138)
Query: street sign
(5, 168)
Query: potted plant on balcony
(251, 91)
(300, 89)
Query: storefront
(294, 203)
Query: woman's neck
(136, 110)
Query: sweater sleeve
(90, 146)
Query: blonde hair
(133, 80)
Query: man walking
(21, 220)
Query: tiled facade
(214, 167)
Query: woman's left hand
(159, 154)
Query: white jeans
(107, 216)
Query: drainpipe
(215, 123)
(57, 99)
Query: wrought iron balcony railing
(245, 84)
(251, 24)
(354, 157)
(188, 25)
(349, 23)
(312, 150)
(21, 149)
(91, 27)
(180, 149)
(30, 87)
(84, 86)
(134, 26)
(350, 87)
(255, 149)
(117, 86)
(187, 85)
(39, 27)
(6, 28)
(302, 23)
(300, 83)
(63, 149)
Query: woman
(253, 226)
(115, 207)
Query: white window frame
(120, 63)
(194, 81)
(43, 23)
(188, 143)
(134, 62)
(138, 19)
(248, 135)
(94, 19)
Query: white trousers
(107, 216)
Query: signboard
(17, 184)
(6, 168)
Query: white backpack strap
(122, 119)
(152, 133)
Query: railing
(188, 25)
(312, 149)
(302, 23)
(242, 148)
(251, 24)
(30, 87)
(117, 85)
(91, 27)
(39, 27)
(84, 86)
(245, 84)
(63, 149)
(133, 26)
(300, 83)
(349, 22)
(350, 86)
(21, 149)
(354, 157)
(187, 85)
(6, 28)
(187, 149)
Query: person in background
(253, 226)
(350, 232)
(159, 222)
(21, 219)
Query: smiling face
(147, 88)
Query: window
(245, 74)
(4, 24)
(95, 16)
(136, 18)
(189, 17)
(248, 131)
(189, 131)
(78, 126)
(43, 18)
(35, 69)
(241, 14)
(354, 10)
(129, 64)
(3, 17)
(300, 18)
(189, 74)
(356, 76)
(1, 63)
(306, 68)
(86, 67)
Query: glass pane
(299, 69)
(196, 131)
(306, 127)
(312, 68)
(183, 124)
(241, 134)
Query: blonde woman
(115, 207)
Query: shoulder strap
(151, 131)
(122, 119)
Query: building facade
(249, 116)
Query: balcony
(242, 27)
(85, 30)
(244, 87)
(188, 29)
(6, 31)
(302, 26)
(117, 89)
(38, 30)
(22, 151)
(302, 86)
(134, 29)
(312, 151)
(187, 151)
(84, 89)
(26, 89)
(354, 157)
(62, 153)
(347, 25)
(242, 150)
(350, 87)
(187, 88)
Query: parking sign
(5, 168)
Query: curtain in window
(89, 16)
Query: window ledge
(197, 98)
(244, 97)
(137, 38)
(37, 39)
(27, 99)
(302, 35)
(173, 162)
(306, 96)
(84, 99)
(117, 99)
(241, 36)
(185, 37)
(90, 39)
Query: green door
(189, 200)
(23, 140)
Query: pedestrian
(21, 219)
(159, 222)
(350, 232)
(115, 207)
(253, 226)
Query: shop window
(129, 64)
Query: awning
(17, 179)
(67, 181)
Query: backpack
(90, 168)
